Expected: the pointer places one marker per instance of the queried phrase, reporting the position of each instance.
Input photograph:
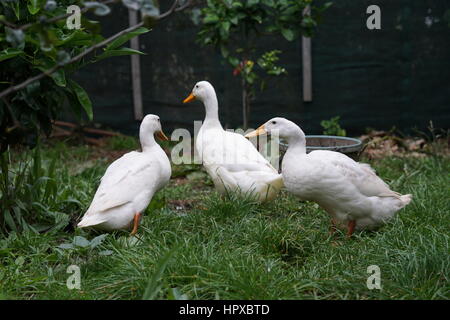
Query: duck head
(203, 90)
(151, 125)
(284, 128)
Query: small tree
(39, 54)
(234, 26)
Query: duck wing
(234, 152)
(361, 175)
(124, 180)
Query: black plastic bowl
(349, 146)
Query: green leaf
(327, 5)
(288, 34)
(252, 2)
(80, 241)
(59, 76)
(20, 261)
(118, 52)
(228, 3)
(175, 294)
(9, 53)
(124, 38)
(224, 51)
(61, 221)
(237, 4)
(33, 6)
(9, 220)
(66, 246)
(45, 64)
(106, 252)
(77, 38)
(83, 98)
(16, 8)
(98, 240)
(210, 18)
(257, 18)
(233, 61)
(269, 3)
(73, 104)
(225, 28)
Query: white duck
(349, 191)
(130, 182)
(232, 161)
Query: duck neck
(297, 142)
(212, 111)
(147, 141)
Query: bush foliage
(33, 40)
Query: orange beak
(161, 135)
(190, 98)
(261, 130)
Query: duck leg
(351, 228)
(136, 219)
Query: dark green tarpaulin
(397, 76)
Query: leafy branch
(234, 26)
(50, 71)
(38, 53)
(74, 59)
(63, 16)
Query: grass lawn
(194, 244)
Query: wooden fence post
(307, 65)
(136, 69)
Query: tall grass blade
(153, 286)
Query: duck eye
(196, 86)
(274, 122)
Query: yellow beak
(261, 130)
(190, 98)
(161, 135)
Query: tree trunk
(244, 104)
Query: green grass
(194, 244)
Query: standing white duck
(130, 182)
(232, 161)
(349, 191)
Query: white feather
(231, 160)
(346, 189)
(127, 188)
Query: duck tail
(83, 223)
(273, 187)
(406, 199)
(277, 182)
(88, 221)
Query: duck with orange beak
(130, 182)
(351, 192)
(232, 162)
